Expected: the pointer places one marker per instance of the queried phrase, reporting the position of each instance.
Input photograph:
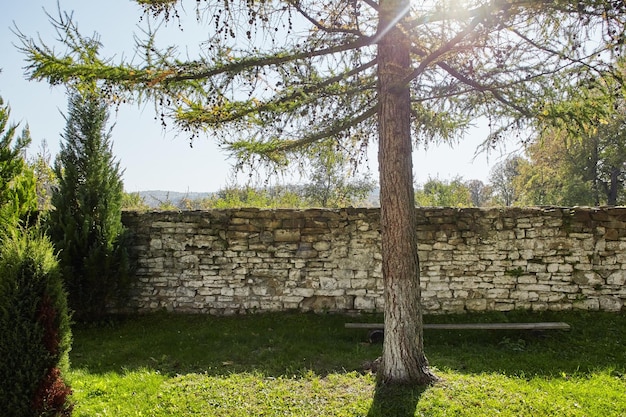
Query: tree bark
(613, 186)
(403, 358)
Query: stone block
(613, 304)
(617, 278)
(476, 304)
(535, 267)
(303, 292)
(286, 235)
(318, 303)
(364, 303)
(328, 283)
(587, 304)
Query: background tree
(480, 193)
(85, 224)
(551, 176)
(609, 148)
(248, 196)
(502, 180)
(134, 201)
(579, 163)
(44, 177)
(441, 193)
(330, 183)
(276, 77)
(18, 198)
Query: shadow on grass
(271, 344)
(396, 400)
(292, 344)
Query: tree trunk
(613, 187)
(403, 358)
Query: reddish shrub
(51, 396)
(46, 316)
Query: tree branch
(277, 146)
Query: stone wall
(241, 260)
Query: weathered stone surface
(239, 260)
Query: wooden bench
(552, 325)
(376, 329)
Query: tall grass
(309, 365)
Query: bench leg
(376, 336)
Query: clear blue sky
(154, 159)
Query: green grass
(309, 365)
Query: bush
(35, 328)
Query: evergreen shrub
(35, 328)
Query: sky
(153, 158)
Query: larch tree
(275, 77)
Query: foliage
(502, 180)
(247, 196)
(480, 193)
(44, 177)
(35, 328)
(134, 201)
(329, 179)
(85, 224)
(17, 182)
(309, 72)
(549, 177)
(577, 166)
(305, 364)
(443, 193)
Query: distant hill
(155, 198)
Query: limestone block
(321, 246)
(363, 283)
(534, 287)
(431, 305)
(318, 303)
(504, 306)
(437, 286)
(292, 299)
(587, 304)
(328, 283)
(611, 304)
(260, 290)
(476, 304)
(565, 289)
(524, 295)
(498, 293)
(229, 292)
(617, 278)
(303, 292)
(286, 235)
(364, 303)
(590, 278)
(242, 291)
(331, 293)
(535, 267)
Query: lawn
(309, 365)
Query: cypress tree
(18, 197)
(85, 224)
